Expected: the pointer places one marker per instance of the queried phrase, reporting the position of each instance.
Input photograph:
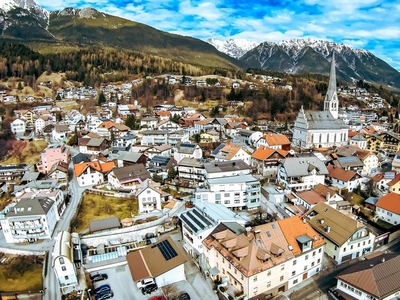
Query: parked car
(103, 288)
(98, 277)
(148, 289)
(144, 282)
(105, 295)
(158, 298)
(184, 296)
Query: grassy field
(12, 281)
(96, 207)
(25, 152)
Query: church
(321, 129)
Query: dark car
(106, 295)
(184, 296)
(148, 289)
(98, 277)
(102, 289)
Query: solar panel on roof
(201, 217)
(194, 228)
(166, 250)
(189, 213)
(188, 145)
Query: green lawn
(96, 207)
(384, 224)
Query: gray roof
(233, 179)
(226, 166)
(131, 172)
(95, 142)
(349, 161)
(129, 156)
(104, 224)
(301, 166)
(31, 207)
(323, 120)
(192, 162)
(29, 176)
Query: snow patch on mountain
(233, 47)
(29, 5)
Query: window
(294, 262)
(268, 283)
(312, 264)
(282, 267)
(229, 266)
(306, 257)
(343, 249)
(313, 254)
(305, 267)
(318, 261)
(66, 277)
(319, 250)
(227, 201)
(223, 271)
(255, 290)
(255, 279)
(223, 260)
(62, 261)
(293, 273)
(269, 273)
(235, 271)
(227, 195)
(282, 278)
(64, 268)
(351, 247)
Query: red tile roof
(340, 174)
(100, 167)
(390, 202)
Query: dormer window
(305, 242)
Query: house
(93, 172)
(343, 179)
(163, 115)
(359, 140)
(163, 261)
(191, 169)
(148, 194)
(178, 136)
(264, 260)
(266, 160)
(18, 127)
(59, 172)
(189, 150)
(331, 194)
(39, 124)
(396, 161)
(60, 132)
(124, 143)
(89, 145)
(160, 165)
(52, 155)
(209, 137)
(388, 208)
(29, 220)
(154, 137)
(158, 150)
(226, 168)
(128, 177)
(240, 191)
(126, 158)
(199, 222)
(63, 259)
(345, 237)
(148, 123)
(274, 141)
(301, 172)
(12, 173)
(377, 278)
(248, 137)
(190, 120)
(228, 151)
(168, 125)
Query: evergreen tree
(102, 98)
(171, 173)
(131, 122)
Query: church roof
(323, 120)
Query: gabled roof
(378, 276)
(395, 180)
(331, 223)
(131, 173)
(341, 174)
(300, 166)
(311, 197)
(390, 202)
(95, 165)
(274, 139)
(226, 150)
(263, 153)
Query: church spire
(331, 102)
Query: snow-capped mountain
(233, 47)
(29, 5)
(313, 56)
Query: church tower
(331, 102)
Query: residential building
(63, 263)
(343, 179)
(240, 191)
(192, 169)
(267, 259)
(93, 172)
(128, 177)
(376, 278)
(52, 155)
(345, 237)
(60, 132)
(274, 141)
(301, 172)
(126, 158)
(148, 194)
(388, 208)
(189, 150)
(163, 261)
(228, 151)
(29, 220)
(266, 160)
(199, 222)
(18, 127)
(88, 145)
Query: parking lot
(120, 280)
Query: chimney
(328, 229)
(322, 221)
(328, 196)
(383, 259)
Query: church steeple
(331, 102)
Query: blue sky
(367, 24)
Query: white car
(144, 282)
